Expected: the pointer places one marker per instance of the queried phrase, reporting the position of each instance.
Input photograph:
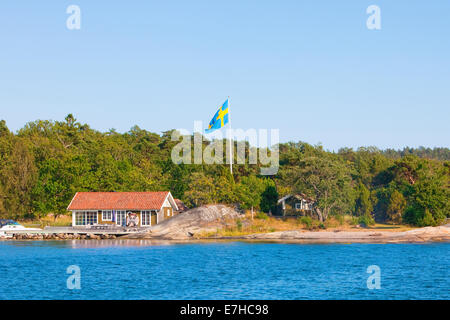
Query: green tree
(201, 190)
(396, 207)
(269, 199)
(326, 179)
(363, 204)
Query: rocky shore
(428, 234)
(191, 225)
(188, 225)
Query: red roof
(118, 200)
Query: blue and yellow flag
(220, 118)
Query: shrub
(239, 224)
(261, 215)
(366, 220)
(354, 221)
(411, 215)
(306, 221)
(427, 219)
(340, 219)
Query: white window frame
(84, 215)
(148, 218)
(89, 215)
(119, 213)
(79, 217)
(298, 206)
(107, 212)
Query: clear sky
(311, 69)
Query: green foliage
(322, 176)
(239, 224)
(366, 220)
(396, 207)
(363, 205)
(47, 162)
(269, 199)
(202, 190)
(261, 215)
(306, 221)
(250, 189)
(340, 219)
(427, 219)
(354, 221)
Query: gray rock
(185, 225)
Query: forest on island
(45, 163)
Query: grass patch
(263, 223)
(61, 221)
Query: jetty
(91, 232)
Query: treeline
(44, 164)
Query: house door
(154, 218)
(121, 219)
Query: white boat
(7, 228)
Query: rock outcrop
(428, 234)
(187, 224)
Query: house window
(80, 219)
(107, 215)
(146, 218)
(84, 218)
(91, 217)
(298, 206)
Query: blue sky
(308, 68)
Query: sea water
(139, 269)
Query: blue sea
(142, 269)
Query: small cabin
(127, 209)
(295, 205)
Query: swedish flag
(220, 119)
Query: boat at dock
(8, 226)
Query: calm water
(148, 270)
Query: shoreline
(439, 234)
(161, 241)
(420, 235)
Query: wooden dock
(71, 232)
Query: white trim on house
(117, 215)
(284, 198)
(85, 218)
(149, 212)
(107, 212)
(171, 201)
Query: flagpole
(231, 145)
